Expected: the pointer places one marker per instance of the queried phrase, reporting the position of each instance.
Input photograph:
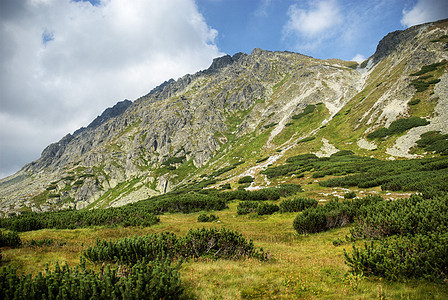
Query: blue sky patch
(47, 36)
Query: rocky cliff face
(243, 108)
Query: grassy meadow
(300, 266)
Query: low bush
(273, 193)
(267, 209)
(350, 195)
(307, 139)
(332, 215)
(247, 207)
(174, 160)
(410, 239)
(429, 68)
(379, 133)
(245, 179)
(9, 239)
(402, 257)
(128, 215)
(434, 141)
(155, 280)
(205, 218)
(397, 127)
(310, 220)
(223, 170)
(297, 204)
(225, 186)
(211, 243)
(262, 159)
(414, 102)
(308, 110)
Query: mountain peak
(243, 113)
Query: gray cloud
(425, 11)
(64, 62)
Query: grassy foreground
(301, 266)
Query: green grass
(301, 266)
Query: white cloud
(262, 10)
(64, 62)
(316, 19)
(358, 58)
(425, 11)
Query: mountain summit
(245, 112)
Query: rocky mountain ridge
(242, 109)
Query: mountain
(243, 113)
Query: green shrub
(331, 215)
(188, 203)
(429, 68)
(301, 158)
(247, 207)
(343, 153)
(414, 102)
(9, 239)
(434, 141)
(406, 175)
(401, 125)
(308, 110)
(402, 257)
(408, 216)
(267, 209)
(174, 160)
(397, 127)
(270, 125)
(157, 280)
(297, 204)
(379, 133)
(245, 179)
(226, 186)
(202, 218)
(223, 170)
(307, 139)
(412, 238)
(128, 215)
(262, 159)
(206, 218)
(350, 195)
(310, 220)
(196, 243)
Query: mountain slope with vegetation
(269, 175)
(242, 109)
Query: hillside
(244, 113)
(270, 175)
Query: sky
(63, 62)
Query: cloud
(64, 62)
(425, 11)
(319, 17)
(262, 10)
(358, 58)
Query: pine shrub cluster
(128, 215)
(247, 207)
(297, 204)
(397, 127)
(272, 194)
(207, 218)
(267, 208)
(9, 239)
(331, 215)
(210, 243)
(434, 141)
(410, 239)
(144, 280)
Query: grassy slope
(302, 266)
